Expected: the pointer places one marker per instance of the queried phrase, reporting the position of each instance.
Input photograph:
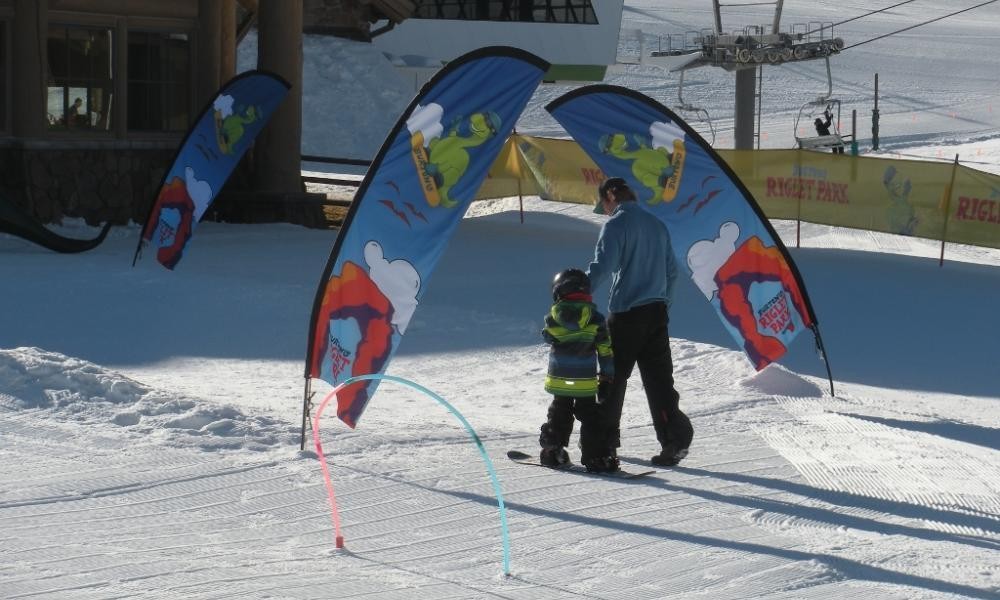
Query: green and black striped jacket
(579, 340)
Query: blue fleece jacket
(634, 250)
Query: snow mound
(776, 380)
(75, 390)
(34, 378)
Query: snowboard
(527, 459)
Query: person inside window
(73, 113)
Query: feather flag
(205, 159)
(405, 211)
(717, 229)
(18, 221)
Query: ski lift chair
(699, 113)
(811, 110)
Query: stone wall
(118, 182)
(97, 181)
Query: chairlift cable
(868, 14)
(924, 23)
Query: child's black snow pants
(559, 426)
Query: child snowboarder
(577, 334)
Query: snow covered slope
(149, 420)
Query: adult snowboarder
(633, 250)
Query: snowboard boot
(669, 456)
(601, 464)
(554, 456)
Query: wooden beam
(396, 11)
(178, 9)
(29, 42)
(227, 41)
(277, 150)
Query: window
(532, 11)
(82, 79)
(80, 84)
(159, 81)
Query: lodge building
(96, 95)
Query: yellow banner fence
(939, 201)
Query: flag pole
(516, 160)
(306, 396)
(822, 354)
(947, 209)
(798, 204)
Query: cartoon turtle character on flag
(657, 158)
(442, 158)
(230, 125)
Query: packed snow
(150, 420)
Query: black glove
(604, 389)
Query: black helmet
(570, 281)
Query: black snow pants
(594, 440)
(639, 337)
